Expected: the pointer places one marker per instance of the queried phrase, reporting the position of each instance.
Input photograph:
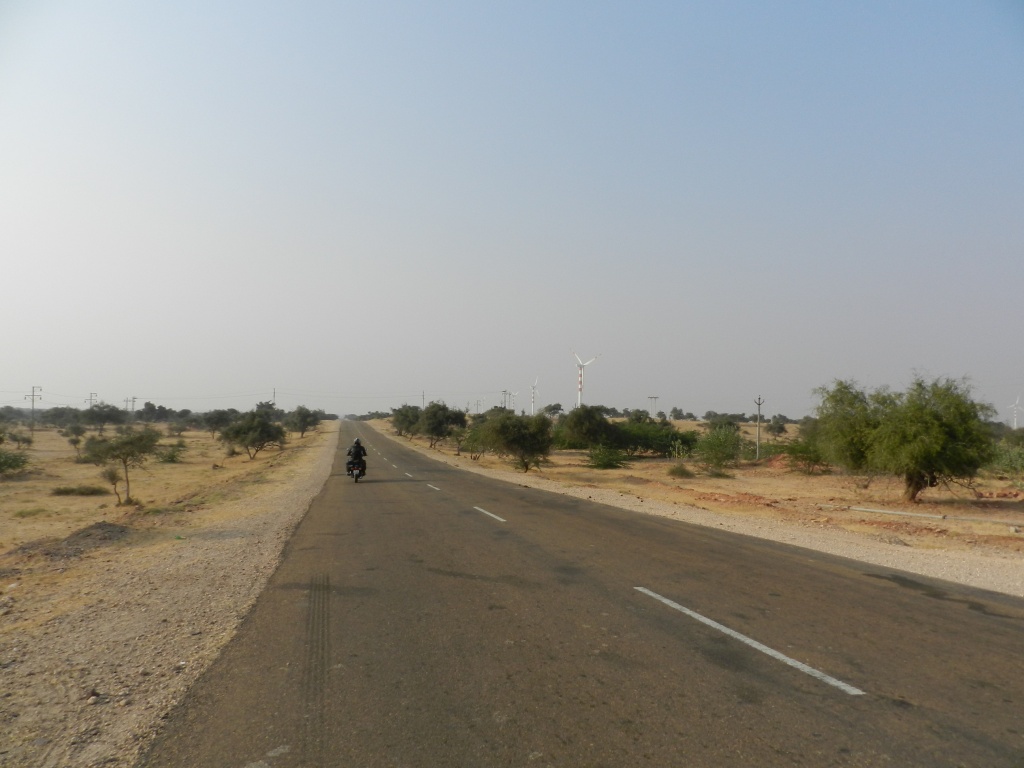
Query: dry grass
(169, 494)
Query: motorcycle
(357, 469)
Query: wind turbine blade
(578, 359)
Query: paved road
(429, 617)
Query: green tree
(437, 420)
(217, 420)
(102, 414)
(74, 434)
(479, 437)
(527, 439)
(405, 419)
(777, 426)
(586, 426)
(302, 419)
(130, 449)
(177, 428)
(61, 416)
(934, 432)
(271, 410)
(254, 431)
(847, 417)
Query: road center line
(407, 474)
(433, 486)
(500, 519)
(818, 675)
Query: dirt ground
(30, 512)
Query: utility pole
(33, 397)
(91, 400)
(759, 402)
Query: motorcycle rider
(357, 456)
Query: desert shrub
(20, 439)
(603, 457)
(806, 455)
(749, 452)
(636, 437)
(683, 444)
(1008, 459)
(680, 470)
(171, 454)
(527, 439)
(723, 421)
(79, 490)
(718, 448)
(113, 476)
(12, 462)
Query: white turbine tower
(1016, 407)
(533, 397)
(581, 365)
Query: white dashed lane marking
(818, 675)
(499, 519)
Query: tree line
(932, 433)
(132, 445)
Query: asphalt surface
(431, 617)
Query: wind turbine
(533, 397)
(1016, 408)
(581, 365)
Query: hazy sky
(366, 204)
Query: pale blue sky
(365, 204)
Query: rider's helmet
(357, 442)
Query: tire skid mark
(316, 664)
